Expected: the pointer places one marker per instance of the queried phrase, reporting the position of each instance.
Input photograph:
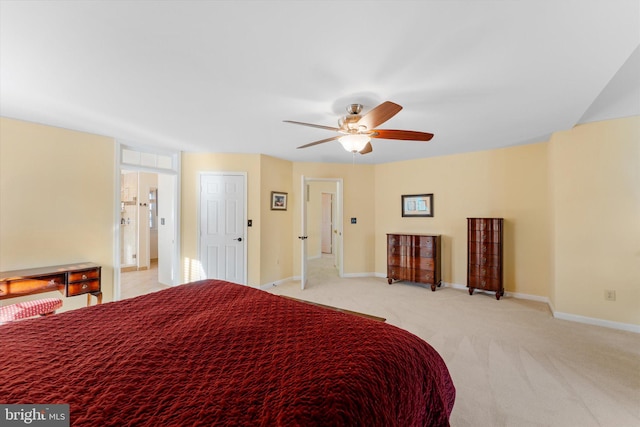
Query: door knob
(239, 239)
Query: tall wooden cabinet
(414, 257)
(485, 240)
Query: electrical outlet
(610, 295)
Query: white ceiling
(221, 76)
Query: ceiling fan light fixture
(354, 143)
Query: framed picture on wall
(278, 201)
(417, 205)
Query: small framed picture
(417, 205)
(278, 201)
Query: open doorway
(139, 233)
(147, 218)
(323, 254)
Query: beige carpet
(513, 364)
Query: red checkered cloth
(25, 309)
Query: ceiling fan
(357, 130)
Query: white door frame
(338, 226)
(166, 162)
(244, 190)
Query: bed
(217, 353)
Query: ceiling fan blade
(320, 142)
(380, 114)
(367, 149)
(312, 125)
(406, 135)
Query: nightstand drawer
(85, 287)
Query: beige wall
(510, 183)
(276, 257)
(596, 232)
(57, 192)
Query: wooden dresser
(70, 279)
(485, 255)
(414, 257)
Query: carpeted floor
(513, 364)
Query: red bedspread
(217, 353)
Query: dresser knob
(84, 276)
(85, 286)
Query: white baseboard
(556, 314)
(597, 322)
(564, 316)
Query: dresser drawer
(423, 276)
(484, 260)
(396, 260)
(480, 282)
(19, 287)
(393, 240)
(85, 287)
(484, 248)
(420, 252)
(484, 236)
(396, 250)
(424, 241)
(77, 276)
(396, 272)
(422, 264)
(485, 224)
(484, 271)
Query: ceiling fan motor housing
(349, 123)
(354, 108)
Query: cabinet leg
(389, 280)
(470, 291)
(433, 288)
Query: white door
(303, 236)
(222, 230)
(167, 229)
